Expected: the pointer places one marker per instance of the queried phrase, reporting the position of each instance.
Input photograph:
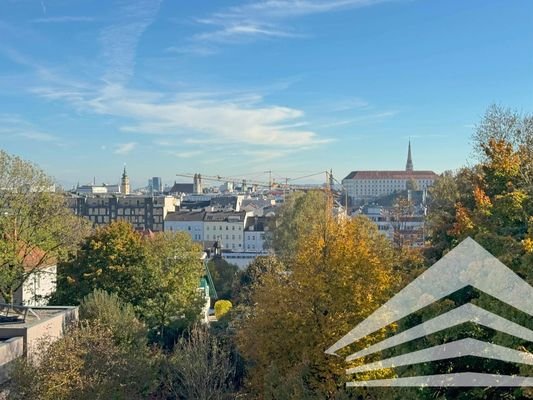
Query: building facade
(191, 222)
(368, 185)
(226, 228)
(143, 212)
(254, 234)
(155, 185)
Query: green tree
(170, 294)
(412, 184)
(294, 219)
(253, 275)
(36, 226)
(159, 276)
(112, 259)
(224, 275)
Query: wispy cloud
(119, 41)
(235, 122)
(232, 33)
(125, 148)
(185, 154)
(62, 19)
(267, 18)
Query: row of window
(227, 228)
(215, 237)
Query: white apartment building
(241, 259)
(401, 229)
(191, 222)
(225, 227)
(367, 185)
(254, 234)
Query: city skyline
(244, 87)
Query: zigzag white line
(465, 313)
(462, 379)
(459, 348)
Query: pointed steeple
(409, 164)
(125, 182)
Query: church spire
(409, 164)
(125, 182)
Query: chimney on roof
(409, 164)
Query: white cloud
(125, 148)
(204, 117)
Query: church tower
(125, 183)
(409, 164)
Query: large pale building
(143, 212)
(369, 185)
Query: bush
(200, 367)
(85, 364)
(222, 307)
(109, 310)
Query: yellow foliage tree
(342, 270)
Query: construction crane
(244, 181)
(271, 184)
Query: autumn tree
(341, 271)
(492, 202)
(36, 225)
(85, 364)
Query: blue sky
(240, 87)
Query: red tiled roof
(392, 175)
(35, 258)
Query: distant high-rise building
(125, 183)
(155, 185)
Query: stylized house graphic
(468, 264)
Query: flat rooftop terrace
(18, 320)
